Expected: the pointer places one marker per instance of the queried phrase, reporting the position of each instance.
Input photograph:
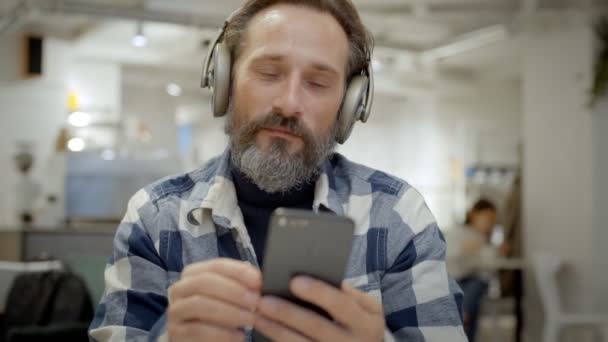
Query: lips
(281, 130)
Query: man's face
(288, 85)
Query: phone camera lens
(282, 221)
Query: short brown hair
(482, 204)
(359, 39)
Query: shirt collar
(214, 195)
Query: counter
(33, 243)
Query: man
(185, 262)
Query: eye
(318, 85)
(268, 73)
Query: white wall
(558, 186)
(428, 141)
(146, 99)
(98, 87)
(156, 109)
(33, 111)
(407, 138)
(211, 139)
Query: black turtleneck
(257, 205)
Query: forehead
(297, 33)
(487, 212)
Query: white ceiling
(175, 29)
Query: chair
(546, 268)
(45, 303)
(9, 271)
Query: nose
(289, 100)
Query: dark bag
(47, 302)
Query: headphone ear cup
(220, 80)
(352, 107)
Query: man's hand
(213, 301)
(357, 316)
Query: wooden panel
(10, 246)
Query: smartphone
(301, 242)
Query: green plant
(600, 80)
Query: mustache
(276, 120)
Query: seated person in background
(467, 245)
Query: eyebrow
(279, 58)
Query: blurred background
(501, 100)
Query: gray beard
(276, 170)
(273, 171)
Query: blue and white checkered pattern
(398, 253)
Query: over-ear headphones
(216, 75)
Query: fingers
(243, 272)
(277, 332)
(294, 319)
(340, 306)
(213, 301)
(216, 286)
(367, 302)
(372, 322)
(194, 331)
(212, 311)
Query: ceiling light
(139, 40)
(79, 119)
(76, 144)
(174, 89)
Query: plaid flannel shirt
(398, 252)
